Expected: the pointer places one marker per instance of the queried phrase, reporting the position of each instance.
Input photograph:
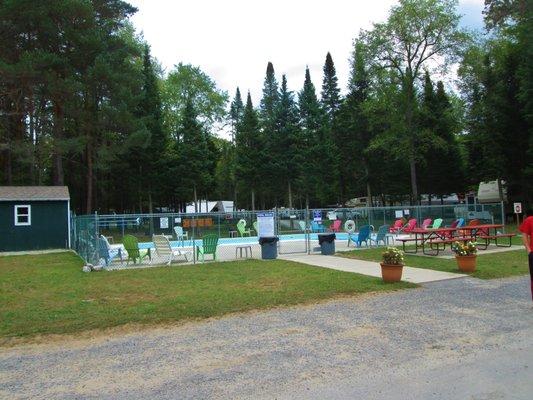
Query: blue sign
(317, 215)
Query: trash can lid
(268, 239)
(326, 237)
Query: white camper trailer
(492, 192)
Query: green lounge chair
(241, 227)
(437, 223)
(209, 246)
(131, 244)
(256, 228)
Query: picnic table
(432, 241)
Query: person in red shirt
(527, 238)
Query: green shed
(34, 218)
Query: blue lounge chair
(362, 236)
(105, 251)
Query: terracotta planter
(391, 272)
(466, 263)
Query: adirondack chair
(437, 223)
(209, 246)
(350, 228)
(105, 251)
(256, 228)
(426, 223)
(362, 236)
(131, 244)
(316, 227)
(336, 226)
(472, 222)
(455, 224)
(180, 233)
(165, 251)
(302, 226)
(241, 227)
(381, 236)
(397, 227)
(411, 224)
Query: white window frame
(22, 215)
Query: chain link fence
(99, 239)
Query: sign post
(517, 207)
(265, 224)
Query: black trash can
(327, 243)
(269, 248)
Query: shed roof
(10, 193)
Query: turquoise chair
(362, 237)
(316, 227)
(381, 236)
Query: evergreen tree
(317, 183)
(248, 150)
(352, 132)
(152, 168)
(286, 156)
(235, 113)
(331, 99)
(193, 151)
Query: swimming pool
(244, 240)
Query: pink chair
(426, 223)
(336, 226)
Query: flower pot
(391, 272)
(466, 263)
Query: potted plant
(465, 254)
(392, 265)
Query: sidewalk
(410, 274)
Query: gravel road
(456, 339)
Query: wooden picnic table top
(449, 229)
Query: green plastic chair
(209, 246)
(437, 223)
(131, 244)
(256, 228)
(241, 227)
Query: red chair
(397, 227)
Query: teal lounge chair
(209, 246)
(316, 227)
(362, 237)
(302, 226)
(381, 236)
(437, 223)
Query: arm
(526, 239)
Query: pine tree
(286, 157)
(331, 99)
(235, 113)
(249, 149)
(352, 133)
(318, 182)
(193, 151)
(150, 112)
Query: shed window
(22, 215)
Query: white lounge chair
(180, 233)
(165, 251)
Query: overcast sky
(232, 40)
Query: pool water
(244, 240)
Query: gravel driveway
(456, 339)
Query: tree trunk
(253, 200)
(89, 181)
(58, 176)
(195, 200)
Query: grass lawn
(43, 294)
(489, 266)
